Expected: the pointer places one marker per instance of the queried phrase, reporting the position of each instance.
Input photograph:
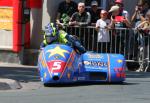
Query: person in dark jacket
(94, 11)
(65, 10)
(80, 18)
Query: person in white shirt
(103, 32)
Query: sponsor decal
(81, 78)
(96, 63)
(119, 61)
(43, 63)
(42, 79)
(75, 79)
(95, 56)
(57, 57)
(56, 74)
(68, 75)
(45, 75)
(70, 64)
(40, 56)
(120, 72)
(120, 75)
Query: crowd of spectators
(72, 14)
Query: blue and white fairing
(104, 67)
(61, 64)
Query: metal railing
(133, 44)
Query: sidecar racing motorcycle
(58, 63)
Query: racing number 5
(56, 66)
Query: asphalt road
(134, 90)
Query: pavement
(12, 75)
(8, 84)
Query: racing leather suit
(64, 38)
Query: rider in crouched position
(53, 35)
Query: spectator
(139, 13)
(80, 18)
(123, 12)
(65, 11)
(145, 25)
(139, 20)
(121, 8)
(103, 33)
(143, 38)
(146, 6)
(94, 11)
(117, 23)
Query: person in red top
(123, 12)
(119, 23)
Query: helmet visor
(50, 39)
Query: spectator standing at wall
(144, 28)
(120, 35)
(137, 18)
(94, 11)
(80, 18)
(140, 11)
(65, 11)
(122, 20)
(146, 6)
(103, 32)
(144, 39)
(123, 12)
(145, 25)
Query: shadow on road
(86, 84)
(131, 74)
(30, 74)
(21, 74)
